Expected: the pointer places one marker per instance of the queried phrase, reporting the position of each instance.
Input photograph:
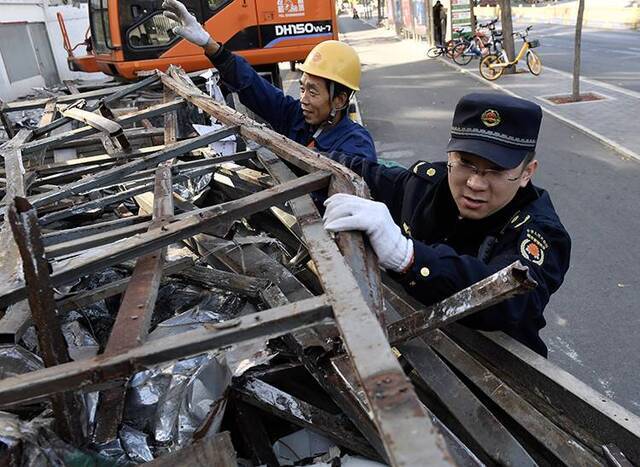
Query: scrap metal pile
(170, 297)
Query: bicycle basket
(534, 43)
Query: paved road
(593, 323)
(607, 55)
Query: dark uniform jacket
(453, 253)
(284, 113)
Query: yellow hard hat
(335, 61)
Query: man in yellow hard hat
(331, 75)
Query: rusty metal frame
(345, 325)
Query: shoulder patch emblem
(533, 247)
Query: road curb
(620, 149)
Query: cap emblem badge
(490, 118)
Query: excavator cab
(130, 36)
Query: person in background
(319, 119)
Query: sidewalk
(613, 121)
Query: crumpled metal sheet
(80, 342)
(193, 188)
(173, 400)
(34, 444)
(135, 444)
(16, 360)
(212, 308)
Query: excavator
(127, 37)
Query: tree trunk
(575, 92)
(507, 32)
(380, 11)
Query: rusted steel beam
(54, 140)
(170, 118)
(57, 237)
(116, 173)
(587, 415)
(216, 451)
(24, 224)
(614, 456)
(273, 400)
(134, 316)
(478, 423)
(88, 373)
(504, 284)
(406, 430)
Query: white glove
(348, 212)
(189, 27)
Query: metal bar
(89, 297)
(96, 121)
(61, 236)
(84, 374)
(115, 173)
(35, 103)
(185, 228)
(406, 430)
(58, 167)
(24, 224)
(590, 417)
(273, 400)
(170, 118)
(478, 422)
(134, 316)
(504, 284)
(54, 140)
(615, 457)
(238, 283)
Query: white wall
(36, 11)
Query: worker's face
(314, 97)
(478, 195)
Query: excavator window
(155, 31)
(100, 32)
(217, 4)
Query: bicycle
(439, 50)
(477, 44)
(492, 66)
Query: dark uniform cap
(496, 127)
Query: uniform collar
(330, 135)
(447, 211)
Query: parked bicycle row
(485, 43)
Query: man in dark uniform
(331, 75)
(465, 219)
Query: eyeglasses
(465, 170)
